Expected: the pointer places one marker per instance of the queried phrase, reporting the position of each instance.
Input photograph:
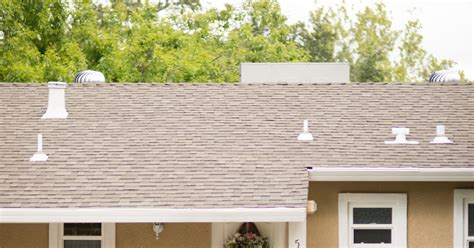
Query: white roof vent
(39, 155)
(440, 136)
(445, 76)
(401, 137)
(305, 135)
(89, 76)
(56, 101)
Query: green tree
(321, 38)
(35, 45)
(369, 44)
(374, 41)
(178, 41)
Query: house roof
(217, 145)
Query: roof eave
(365, 174)
(147, 215)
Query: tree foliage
(375, 50)
(178, 41)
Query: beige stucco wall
(24, 235)
(182, 235)
(430, 210)
(127, 236)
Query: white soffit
(147, 215)
(391, 174)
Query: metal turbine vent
(445, 76)
(89, 76)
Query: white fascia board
(391, 174)
(147, 215)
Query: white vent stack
(39, 155)
(440, 136)
(56, 101)
(401, 137)
(292, 73)
(305, 135)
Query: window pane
(372, 215)
(470, 220)
(81, 243)
(82, 229)
(471, 244)
(372, 236)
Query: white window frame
(462, 197)
(56, 235)
(398, 203)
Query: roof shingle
(217, 145)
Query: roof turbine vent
(305, 135)
(89, 76)
(440, 136)
(445, 76)
(39, 156)
(401, 137)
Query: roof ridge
(36, 84)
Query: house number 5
(297, 242)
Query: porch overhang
(146, 215)
(391, 174)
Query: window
(372, 220)
(81, 235)
(463, 218)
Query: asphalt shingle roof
(217, 145)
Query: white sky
(447, 24)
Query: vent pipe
(305, 135)
(440, 136)
(401, 137)
(56, 101)
(39, 155)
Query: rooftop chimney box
(294, 73)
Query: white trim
(398, 203)
(391, 174)
(146, 215)
(461, 196)
(297, 234)
(217, 235)
(56, 236)
(108, 235)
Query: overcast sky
(447, 24)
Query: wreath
(247, 236)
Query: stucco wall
(24, 235)
(182, 235)
(127, 236)
(430, 210)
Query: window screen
(82, 229)
(372, 236)
(470, 219)
(81, 243)
(372, 215)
